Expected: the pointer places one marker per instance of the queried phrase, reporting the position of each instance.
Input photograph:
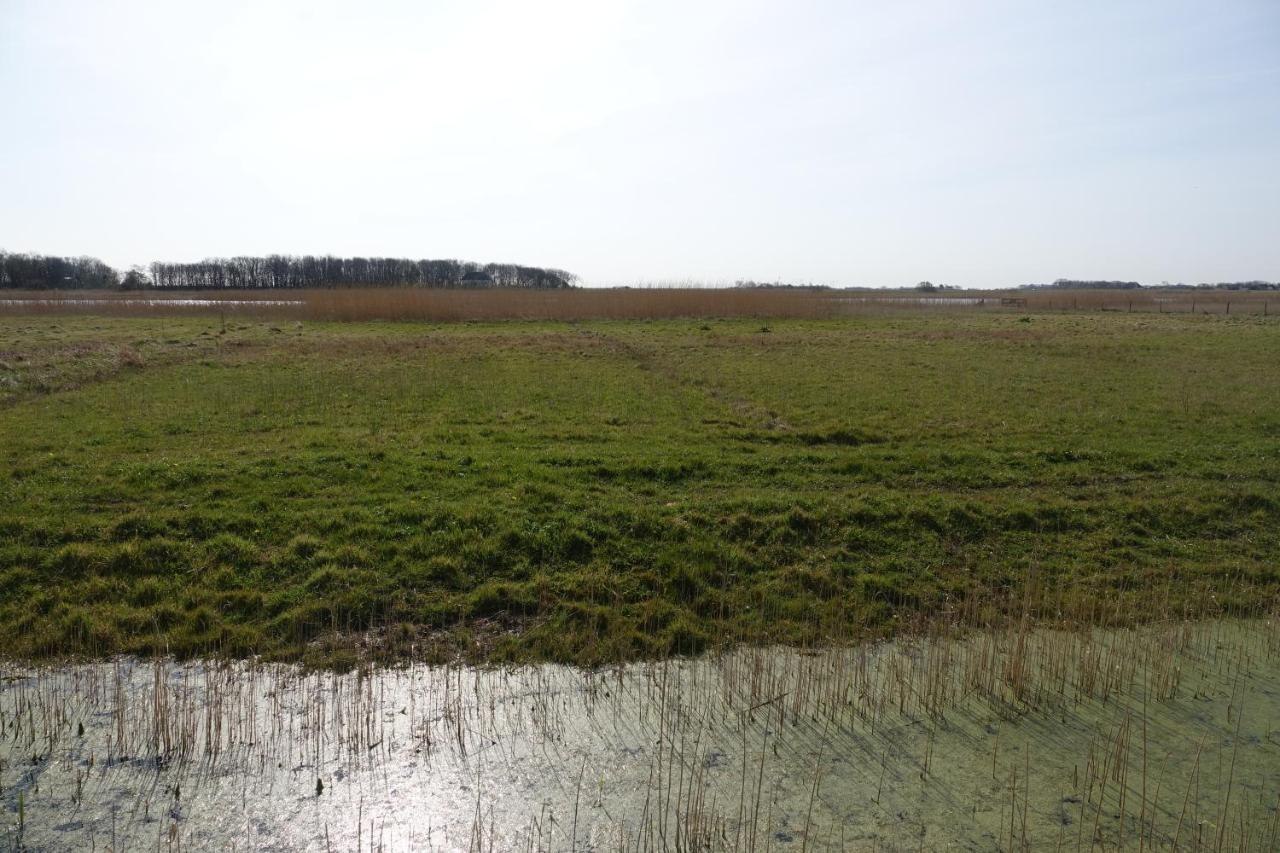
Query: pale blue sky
(859, 143)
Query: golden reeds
(449, 305)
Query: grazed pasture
(611, 490)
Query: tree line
(1078, 284)
(44, 272)
(1074, 284)
(312, 271)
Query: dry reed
(447, 305)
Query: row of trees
(1231, 285)
(1073, 284)
(42, 272)
(312, 271)
(1077, 284)
(751, 284)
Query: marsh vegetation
(658, 302)
(858, 576)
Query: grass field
(611, 490)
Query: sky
(849, 143)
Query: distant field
(608, 490)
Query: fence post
(1228, 306)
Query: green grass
(604, 491)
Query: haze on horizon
(848, 143)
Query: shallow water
(153, 303)
(944, 301)
(1039, 740)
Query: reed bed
(1155, 300)
(450, 305)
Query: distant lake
(191, 303)
(916, 300)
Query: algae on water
(1026, 739)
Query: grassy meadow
(619, 489)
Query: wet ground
(1167, 735)
(166, 302)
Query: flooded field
(165, 302)
(928, 301)
(1163, 737)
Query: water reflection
(152, 303)
(902, 746)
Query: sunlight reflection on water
(891, 743)
(152, 303)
